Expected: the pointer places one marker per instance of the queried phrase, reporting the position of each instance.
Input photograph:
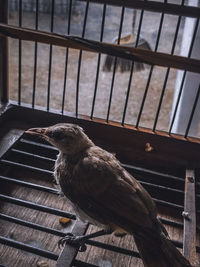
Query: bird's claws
(73, 240)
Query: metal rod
(19, 245)
(49, 160)
(80, 58)
(4, 64)
(132, 67)
(192, 112)
(184, 76)
(35, 55)
(17, 164)
(50, 56)
(38, 207)
(29, 185)
(66, 57)
(115, 65)
(168, 70)
(113, 248)
(32, 225)
(98, 62)
(20, 56)
(151, 70)
(45, 146)
(78, 263)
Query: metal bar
(132, 68)
(32, 225)
(29, 185)
(17, 164)
(20, 56)
(69, 253)
(35, 55)
(32, 155)
(4, 65)
(154, 6)
(151, 71)
(98, 62)
(35, 206)
(189, 231)
(66, 57)
(192, 112)
(45, 146)
(115, 65)
(50, 56)
(78, 263)
(184, 76)
(168, 70)
(131, 53)
(19, 245)
(89, 242)
(80, 58)
(113, 248)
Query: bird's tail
(160, 252)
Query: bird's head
(68, 138)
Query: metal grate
(26, 157)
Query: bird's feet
(71, 239)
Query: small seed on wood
(64, 220)
(148, 148)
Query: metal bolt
(191, 179)
(185, 215)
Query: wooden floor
(13, 257)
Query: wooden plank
(189, 214)
(167, 8)
(128, 142)
(138, 54)
(4, 54)
(69, 252)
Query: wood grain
(137, 54)
(189, 235)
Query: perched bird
(103, 193)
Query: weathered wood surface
(189, 237)
(167, 8)
(138, 54)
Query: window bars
(153, 58)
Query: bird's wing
(106, 190)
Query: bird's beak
(37, 131)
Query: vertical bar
(132, 68)
(69, 252)
(115, 65)
(189, 229)
(4, 55)
(20, 56)
(183, 79)
(98, 62)
(151, 70)
(192, 112)
(35, 56)
(66, 57)
(168, 70)
(80, 58)
(50, 56)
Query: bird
(103, 193)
